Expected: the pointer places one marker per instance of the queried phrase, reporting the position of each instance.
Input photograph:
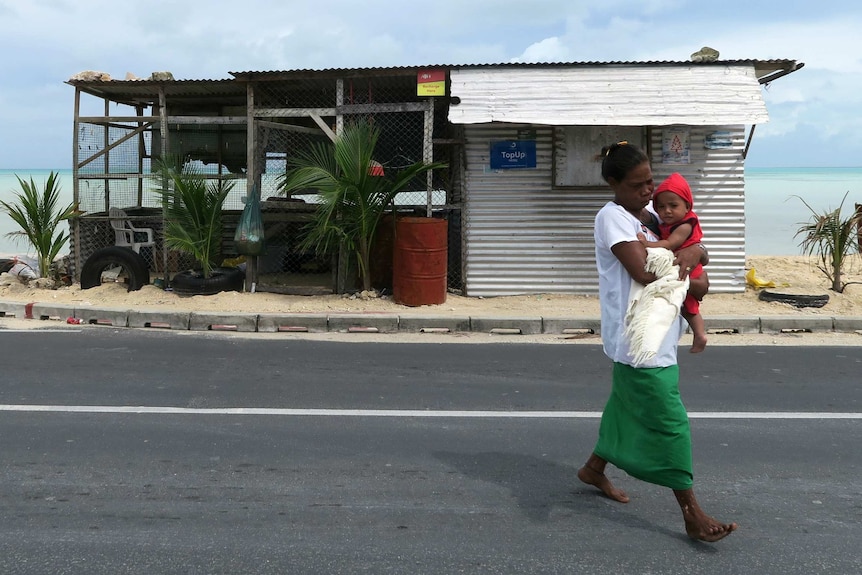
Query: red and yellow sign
(431, 83)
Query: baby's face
(670, 207)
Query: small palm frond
(38, 214)
(353, 196)
(193, 208)
(831, 238)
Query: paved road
(465, 466)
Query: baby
(679, 227)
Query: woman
(644, 429)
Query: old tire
(798, 300)
(134, 271)
(222, 279)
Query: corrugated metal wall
(717, 180)
(522, 236)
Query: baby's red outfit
(676, 184)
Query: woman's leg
(593, 473)
(698, 524)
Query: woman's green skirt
(644, 429)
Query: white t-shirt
(614, 225)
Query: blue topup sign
(508, 154)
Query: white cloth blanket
(653, 308)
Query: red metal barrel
(419, 263)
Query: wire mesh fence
(118, 166)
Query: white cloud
(50, 40)
(548, 50)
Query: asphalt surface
(405, 458)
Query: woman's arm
(633, 257)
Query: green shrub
(831, 237)
(36, 213)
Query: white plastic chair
(126, 234)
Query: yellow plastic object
(233, 262)
(755, 282)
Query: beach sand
(797, 274)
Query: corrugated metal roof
(763, 67)
(134, 92)
(692, 94)
(146, 92)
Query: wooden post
(163, 133)
(142, 151)
(341, 268)
(339, 102)
(107, 160)
(251, 176)
(428, 154)
(76, 222)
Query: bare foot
(597, 479)
(699, 343)
(702, 527)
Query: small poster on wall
(718, 141)
(513, 154)
(676, 146)
(431, 83)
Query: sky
(815, 113)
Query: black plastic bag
(249, 237)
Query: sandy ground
(796, 274)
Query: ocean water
(773, 212)
(9, 187)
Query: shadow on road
(539, 485)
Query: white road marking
(167, 410)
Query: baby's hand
(642, 238)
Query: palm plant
(193, 212)
(38, 214)
(353, 196)
(832, 238)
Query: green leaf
(830, 237)
(352, 199)
(193, 211)
(38, 214)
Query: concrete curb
(159, 319)
(391, 323)
(433, 324)
(213, 321)
(504, 325)
(848, 324)
(13, 309)
(292, 322)
(733, 324)
(116, 317)
(789, 323)
(359, 323)
(47, 311)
